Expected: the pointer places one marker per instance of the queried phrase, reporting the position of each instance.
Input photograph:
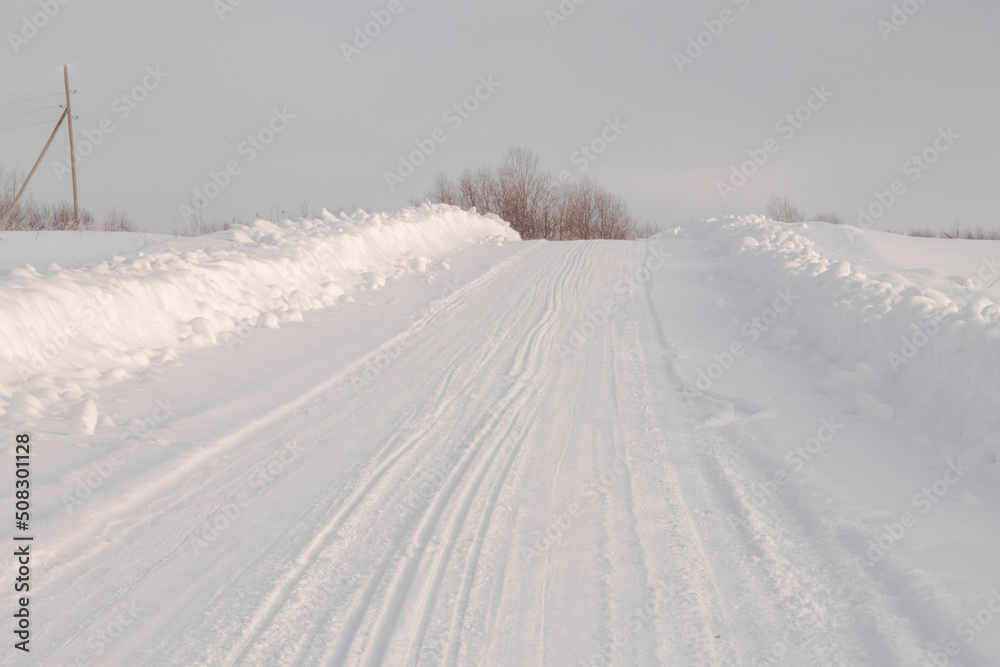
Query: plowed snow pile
(909, 344)
(66, 332)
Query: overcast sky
(556, 77)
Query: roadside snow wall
(896, 349)
(63, 330)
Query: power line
(18, 127)
(27, 98)
(30, 111)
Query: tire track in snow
(276, 597)
(157, 485)
(526, 360)
(454, 396)
(90, 561)
(483, 527)
(790, 579)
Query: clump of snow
(872, 409)
(783, 338)
(83, 418)
(840, 382)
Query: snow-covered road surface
(529, 474)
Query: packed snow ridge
(895, 347)
(67, 332)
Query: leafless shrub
(32, 216)
(198, 226)
(116, 221)
(961, 231)
(62, 216)
(782, 209)
(831, 218)
(923, 232)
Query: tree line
(537, 205)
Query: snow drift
(895, 347)
(65, 332)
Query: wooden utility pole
(72, 147)
(13, 207)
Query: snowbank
(65, 332)
(895, 347)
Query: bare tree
(535, 204)
(443, 190)
(590, 211)
(478, 189)
(525, 193)
(782, 209)
(578, 210)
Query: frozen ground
(416, 439)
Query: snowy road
(526, 480)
